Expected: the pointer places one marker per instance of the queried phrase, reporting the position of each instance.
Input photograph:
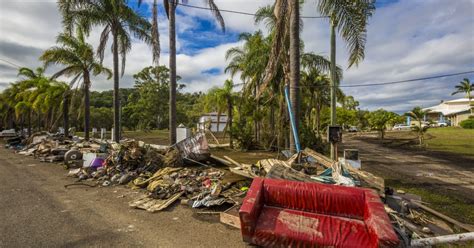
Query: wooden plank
(325, 161)
(231, 217)
(369, 178)
(221, 160)
(444, 217)
(233, 161)
(241, 172)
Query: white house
(453, 111)
(210, 121)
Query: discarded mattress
(280, 213)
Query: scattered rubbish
(186, 171)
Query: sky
(406, 39)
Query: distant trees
(33, 95)
(380, 119)
(77, 57)
(148, 107)
(117, 19)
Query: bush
(467, 124)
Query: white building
(453, 111)
(210, 121)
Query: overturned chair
(280, 213)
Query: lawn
(451, 139)
(445, 139)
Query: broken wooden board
(231, 217)
(233, 161)
(443, 217)
(279, 171)
(241, 172)
(325, 161)
(154, 205)
(373, 181)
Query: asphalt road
(36, 210)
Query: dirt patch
(444, 180)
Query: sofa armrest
(250, 209)
(378, 222)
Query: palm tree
(465, 86)
(78, 57)
(350, 17)
(118, 20)
(418, 115)
(170, 7)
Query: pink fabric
(293, 228)
(316, 198)
(280, 213)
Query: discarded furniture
(280, 213)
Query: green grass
(446, 139)
(453, 206)
(451, 139)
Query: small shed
(210, 122)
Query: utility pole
(333, 84)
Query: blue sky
(406, 39)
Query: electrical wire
(378, 84)
(408, 80)
(241, 12)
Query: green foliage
(417, 114)
(102, 117)
(467, 124)
(243, 134)
(379, 119)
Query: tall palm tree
(118, 20)
(170, 7)
(350, 18)
(466, 87)
(78, 58)
(418, 115)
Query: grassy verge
(455, 207)
(451, 139)
(447, 139)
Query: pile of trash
(159, 171)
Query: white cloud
(406, 39)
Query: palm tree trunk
(87, 85)
(295, 67)
(230, 117)
(29, 123)
(172, 34)
(116, 137)
(333, 83)
(66, 114)
(218, 121)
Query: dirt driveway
(440, 172)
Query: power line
(384, 83)
(408, 80)
(11, 63)
(241, 12)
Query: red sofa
(281, 213)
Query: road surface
(37, 211)
(448, 175)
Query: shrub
(467, 124)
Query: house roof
(448, 108)
(466, 100)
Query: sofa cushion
(315, 197)
(278, 227)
